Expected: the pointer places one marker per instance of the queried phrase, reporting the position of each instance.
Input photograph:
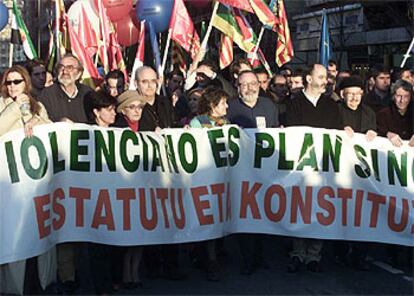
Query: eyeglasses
(135, 107)
(355, 96)
(15, 82)
(246, 84)
(69, 68)
(148, 81)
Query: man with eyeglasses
(251, 111)
(64, 100)
(311, 107)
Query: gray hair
(404, 85)
(142, 69)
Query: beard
(250, 96)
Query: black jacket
(161, 114)
(364, 115)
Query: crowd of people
(381, 104)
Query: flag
(104, 31)
(257, 7)
(87, 35)
(178, 59)
(139, 58)
(244, 26)
(20, 34)
(284, 47)
(225, 22)
(225, 51)
(324, 42)
(90, 75)
(155, 49)
(182, 29)
(61, 32)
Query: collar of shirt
(313, 100)
(69, 95)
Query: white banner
(82, 183)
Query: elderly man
(396, 122)
(251, 111)
(311, 108)
(65, 100)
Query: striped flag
(20, 34)
(225, 22)
(139, 57)
(178, 58)
(87, 35)
(284, 47)
(225, 51)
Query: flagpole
(11, 51)
(38, 28)
(167, 47)
(407, 55)
(57, 21)
(258, 42)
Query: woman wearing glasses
(18, 109)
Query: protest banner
(74, 182)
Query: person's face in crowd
(332, 70)
(279, 86)
(249, 87)
(317, 81)
(38, 77)
(68, 71)
(352, 97)
(147, 82)
(133, 111)
(105, 116)
(297, 83)
(175, 82)
(288, 75)
(263, 80)
(193, 101)
(221, 109)
(402, 99)
(203, 75)
(408, 76)
(15, 84)
(49, 79)
(383, 82)
(113, 87)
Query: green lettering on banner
(130, 166)
(145, 153)
(329, 153)
(11, 162)
(308, 148)
(283, 163)
(185, 138)
(216, 147)
(76, 150)
(362, 172)
(393, 167)
(260, 151)
(375, 167)
(107, 151)
(58, 165)
(156, 155)
(169, 147)
(233, 146)
(34, 173)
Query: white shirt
(313, 100)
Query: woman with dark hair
(212, 109)
(18, 109)
(100, 108)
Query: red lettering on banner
(248, 199)
(305, 207)
(376, 200)
(162, 194)
(42, 215)
(58, 209)
(179, 222)
(80, 194)
(358, 208)
(326, 205)
(270, 192)
(397, 227)
(126, 195)
(201, 205)
(219, 189)
(344, 194)
(228, 203)
(103, 204)
(148, 224)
